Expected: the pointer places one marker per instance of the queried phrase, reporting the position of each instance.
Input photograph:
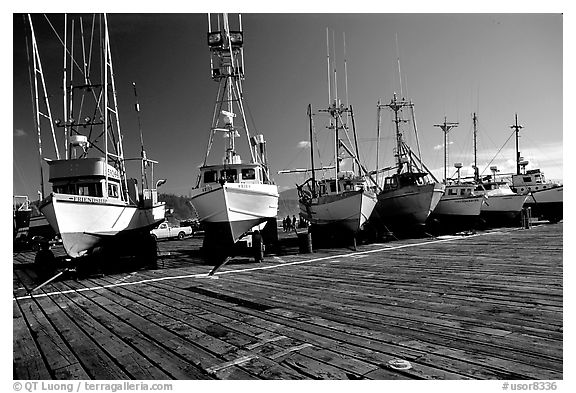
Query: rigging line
(217, 108)
(498, 152)
(415, 130)
(60, 39)
(90, 50)
(315, 134)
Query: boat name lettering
(241, 185)
(206, 188)
(88, 199)
(113, 172)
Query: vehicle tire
(181, 235)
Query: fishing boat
(545, 198)
(409, 195)
(93, 205)
(233, 197)
(342, 202)
(502, 205)
(459, 207)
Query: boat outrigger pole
(39, 74)
(311, 124)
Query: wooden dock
(486, 306)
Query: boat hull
(502, 209)
(85, 223)
(230, 210)
(457, 213)
(548, 203)
(408, 207)
(347, 211)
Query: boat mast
(378, 109)
(446, 127)
(64, 89)
(311, 125)
(396, 106)
(476, 171)
(227, 67)
(517, 129)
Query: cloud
(438, 147)
(18, 132)
(303, 144)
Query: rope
(498, 152)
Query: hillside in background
(177, 207)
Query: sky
(452, 65)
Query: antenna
(328, 65)
(398, 61)
(335, 75)
(345, 76)
(476, 170)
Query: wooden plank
(61, 361)
(27, 359)
(135, 364)
(97, 363)
(113, 318)
(164, 331)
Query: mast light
(215, 39)
(236, 38)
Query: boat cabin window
(390, 183)
(248, 174)
(452, 191)
(210, 176)
(112, 190)
(322, 189)
(231, 175)
(465, 191)
(527, 179)
(87, 189)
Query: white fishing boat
(459, 207)
(342, 202)
(347, 210)
(545, 198)
(93, 205)
(408, 196)
(502, 206)
(234, 197)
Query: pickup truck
(166, 231)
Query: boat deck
(485, 306)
